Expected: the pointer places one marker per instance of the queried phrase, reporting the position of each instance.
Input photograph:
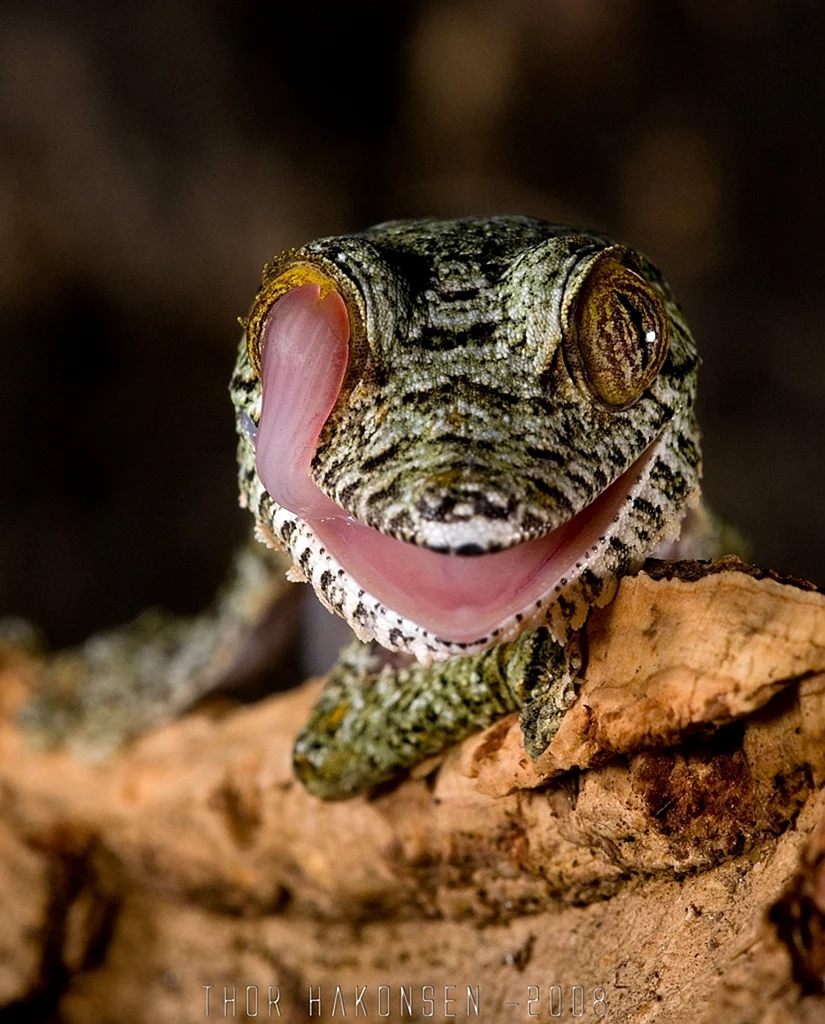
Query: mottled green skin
(372, 722)
(460, 428)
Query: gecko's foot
(376, 720)
(552, 693)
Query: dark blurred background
(153, 155)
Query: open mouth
(457, 598)
(461, 598)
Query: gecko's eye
(617, 334)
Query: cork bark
(663, 862)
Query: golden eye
(617, 335)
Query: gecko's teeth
(303, 361)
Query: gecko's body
(462, 433)
(502, 425)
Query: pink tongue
(304, 360)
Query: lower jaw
(461, 598)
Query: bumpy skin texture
(464, 426)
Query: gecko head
(459, 429)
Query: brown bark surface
(664, 862)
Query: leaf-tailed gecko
(461, 433)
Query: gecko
(462, 434)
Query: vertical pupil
(645, 337)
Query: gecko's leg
(373, 721)
(119, 683)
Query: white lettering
(275, 1000)
(531, 999)
(251, 1005)
(384, 1000)
(577, 1001)
(338, 1001)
